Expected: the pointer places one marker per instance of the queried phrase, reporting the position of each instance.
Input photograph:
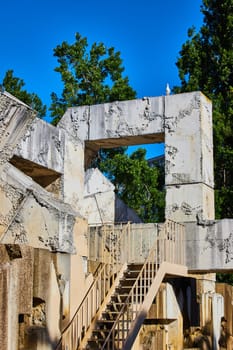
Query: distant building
(157, 161)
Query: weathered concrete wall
(32, 291)
(73, 178)
(43, 144)
(32, 215)
(99, 198)
(164, 323)
(117, 122)
(209, 246)
(44, 324)
(15, 119)
(16, 291)
(188, 157)
(80, 279)
(175, 328)
(226, 291)
(184, 120)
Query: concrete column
(188, 157)
(73, 178)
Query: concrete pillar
(73, 178)
(217, 313)
(188, 157)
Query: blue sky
(149, 34)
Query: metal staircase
(116, 318)
(121, 321)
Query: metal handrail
(73, 333)
(106, 243)
(75, 330)
(164, 249)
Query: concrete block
(79, 286)
(43, 144)
(76, 121)
(186, 202)
(25, 277)
(15, 292)
(15, 119)
(209, 247)
(4, 305)
(99, 208)
(42, 263)
(53, 304)
(188, 139)
(10, 200)
(126, 119)
(43, 326)
(40, 220)
(99, 198)
(226, 291)
(96, 182)
(73, 179)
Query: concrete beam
(116, 120)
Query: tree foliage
(90, 75)
(15, 85)
(206, 63)
(93, 75)
(137, 184)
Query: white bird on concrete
(168, 90)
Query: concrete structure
(51, 204)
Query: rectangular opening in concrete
(41, 175)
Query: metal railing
(122, 242)
(131, 243)
(106, 243)
(167, 247)
(113, 247)
(74, 332)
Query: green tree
(93, 75)
(137, 184)
(15, 85)
(90, 75)
(206, 63)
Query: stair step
(104, 324)
(92, 344)
(123, 289)
(97, 333)
(127, 282)
(133, 266)
(118, 299)
(115, 305)
(110, 315)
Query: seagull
(168, 90)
